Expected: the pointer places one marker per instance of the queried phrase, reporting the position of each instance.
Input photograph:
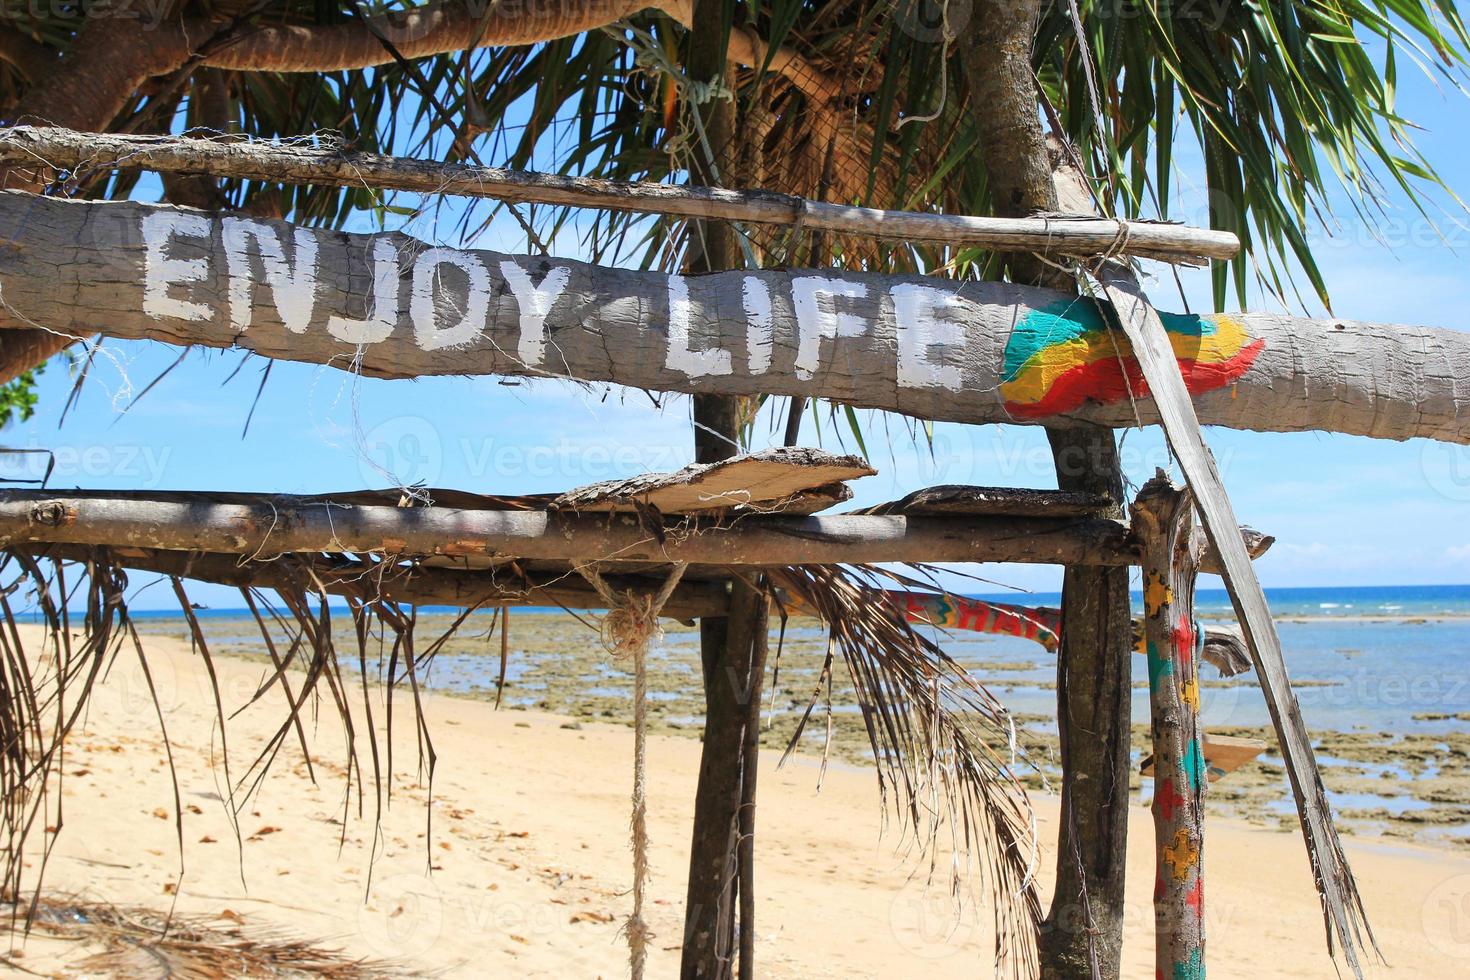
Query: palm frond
(944, 747)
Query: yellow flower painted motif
(1156, 595)
(1181, 855)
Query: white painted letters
(535, 303)
(160, 272)
(816, 319)
(692, 363)
(292, 283)
(454, 309)
(759, 334)
(383, 316)
(916, 312)
(424, 310)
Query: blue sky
(1346, 510)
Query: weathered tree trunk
(728, 645)
(390, 306)
(1083, 932)
(1164, 522)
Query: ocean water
(1378, 658)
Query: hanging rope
(631, 624)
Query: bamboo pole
(284, 524)
(1164, 519)
(52, 150)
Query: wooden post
(1163, 517)
(727, 645)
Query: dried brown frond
(44, 690)
(945, 748)
(139, 943)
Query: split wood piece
(408, 584)
(1342, 905)
(760, 481)
(1164, 521)
(282, 524)
(1017, 502)
(978, 352)
(51, 151)
(1223, 755)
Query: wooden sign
(391, 306)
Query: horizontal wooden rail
(283, 525)
(411, 585)
(58, 150)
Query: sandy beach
(525, 869)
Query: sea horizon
(1346, 601)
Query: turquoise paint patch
(1060, 322)
(1194, 764)
(1192, 968)
(1158, 667)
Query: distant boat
(196, 605)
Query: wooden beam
(52, 151)
(390, 306)
(283, 524)
(414, 585)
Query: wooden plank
(760, 481)
(1342, 905)
(391, 306)
(1223, 755)
(52, 150)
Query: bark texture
(78, 268)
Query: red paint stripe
(1103, 381)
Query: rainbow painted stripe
(1062, 356)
